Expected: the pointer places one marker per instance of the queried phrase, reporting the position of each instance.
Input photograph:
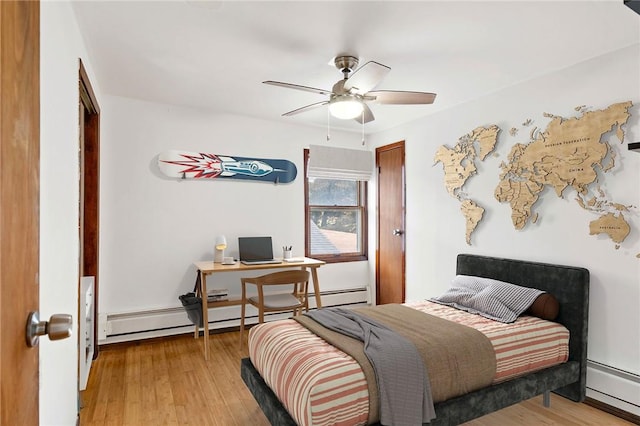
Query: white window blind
(339, 163)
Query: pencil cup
(286, 253)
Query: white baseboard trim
(614, 387)
(132, 326)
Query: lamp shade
(221, 242)
(345, 107)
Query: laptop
(256, 251)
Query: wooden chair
(296, 283)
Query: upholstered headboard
(570, 285)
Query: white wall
(153, 228)
(60, 47)
(435, 227)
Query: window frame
(361, 207)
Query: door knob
(58, 327)
(398, 232)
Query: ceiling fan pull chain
(363, 127)
(328, 125)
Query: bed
(570, 285)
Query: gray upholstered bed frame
(570, 285)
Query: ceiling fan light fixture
(345, 107)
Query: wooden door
(390, 259)
(19, 207)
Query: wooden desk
(208, 268)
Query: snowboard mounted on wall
(195, 165)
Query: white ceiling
(215, 54)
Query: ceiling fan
(348, 98)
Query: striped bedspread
(320, 385)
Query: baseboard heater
(614, 387)
(132, 326)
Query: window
(336, 217)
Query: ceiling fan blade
(401, 98)
(366, 77)
(305, 108)
(298, 87)
(368, 115)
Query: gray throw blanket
(403, 384)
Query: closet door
(390, 256)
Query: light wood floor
(168, 382)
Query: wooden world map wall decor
(568, 153)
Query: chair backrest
(278, 278)
(297, 279)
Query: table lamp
(221, 244)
